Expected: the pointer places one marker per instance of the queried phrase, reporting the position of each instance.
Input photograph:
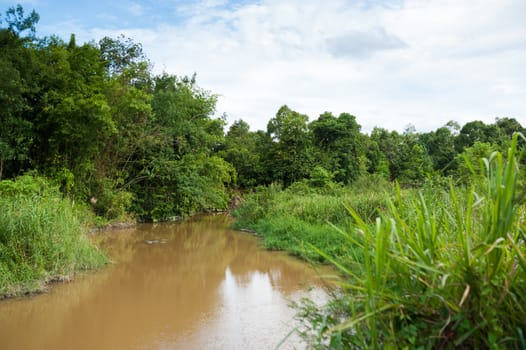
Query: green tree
(505, 129)
(340, 145)
(376, 161)
(241, 150)
(183, 110)
(121, 55)
(17, 22)
(475, 131)
(129, 93)
(390, 146)
(440, 145)
(415, 161)
(264, 149)
(74, 120)
(407, 158)
(291, 151)
(177, 170)
(17, 87)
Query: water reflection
(206, 287)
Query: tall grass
(41, 237)
(300, 216)
(440, 269)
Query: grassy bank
(41, 237)
(442, 267)
(303, 216)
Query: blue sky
(87, 15)
(389, 62)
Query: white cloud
(422, 62)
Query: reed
(41, 237)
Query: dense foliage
(94, 120)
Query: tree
(121, 54)
(376, 161)
(93, 119)
(183, 110)
(18, 23)
(407, 158)
(291, 151)
(389, 144)
(505, 129)
(177, 171)
(339, 143)
(475, 131)
(73, 120)
(16, 131)
(241, 150)
(440, 145)
(129, 93)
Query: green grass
(439, 267)
(301, 217)
(41, 237)
(294, 235)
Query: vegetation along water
(426, 228)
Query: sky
(391, 63)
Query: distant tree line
(293, 149)
(94, 119)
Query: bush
(110, 202)
(255, 206)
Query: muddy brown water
(190, 285)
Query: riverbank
(119, 225)
(42, 237)
(46, 238)
(302, 217)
